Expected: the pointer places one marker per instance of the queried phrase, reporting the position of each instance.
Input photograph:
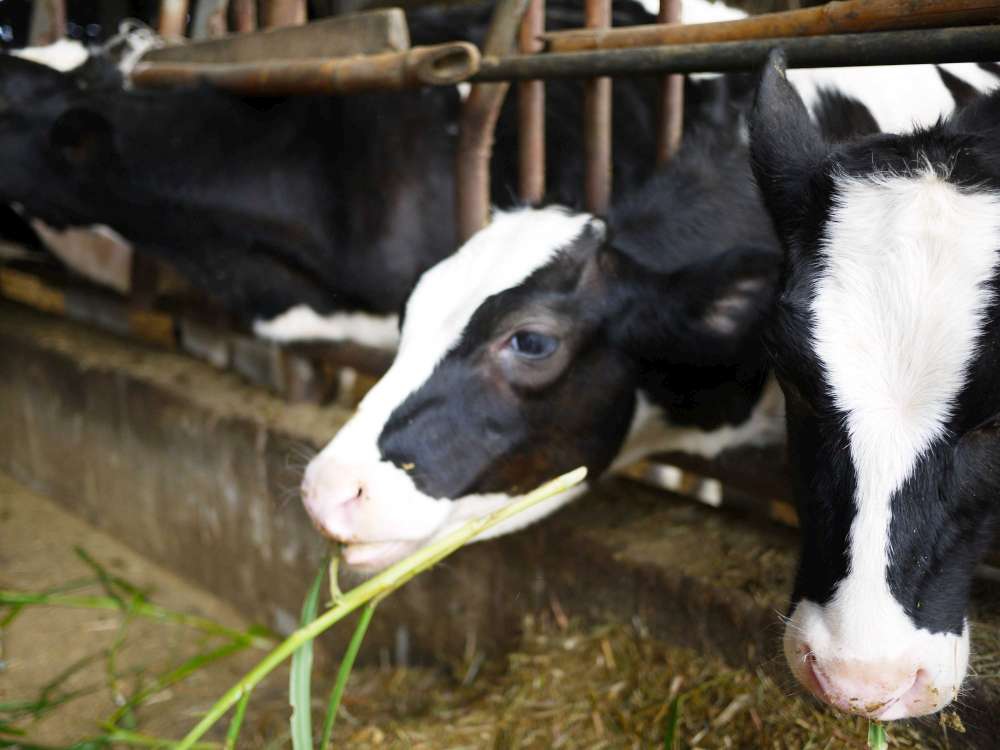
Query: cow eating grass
(555, 339)
(887, 346)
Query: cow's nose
(879, 689)
(332, 496)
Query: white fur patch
(61, 55)
(898, 311)
(302, 323)
(96, 252)
(698, 11)
(898, 96)
(651, 431)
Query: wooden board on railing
(366, 33)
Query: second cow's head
(554, 339)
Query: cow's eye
(533, 345)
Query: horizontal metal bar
(972, 44)
(840, 17)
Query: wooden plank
(32, 291)
(438, 65)
(357, 34)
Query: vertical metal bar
(597, 121)
(245, 15)
(477, 123)
(283, 13)
(671, 113)
(48, 22)
(209, 19)
(173, 18)
(531, 112)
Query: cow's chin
(371, 557)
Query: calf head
(545, 343)
(887, 347)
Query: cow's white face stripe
(898, 310)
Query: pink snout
(333, 498)
(877, 689)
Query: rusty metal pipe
(244, 15)
(478, 121)
(438, 65)
(173, 18)
(671, 110)
(973, 44)
(597, 121)
(283, 13)
(48, 22)
(843, 16)
(209, 19)
(531, 112)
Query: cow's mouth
(369, 557)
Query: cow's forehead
(900, 304)
(501, 256)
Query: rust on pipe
(841, 16)
(478, 122)
(437, 65)
(244, 16)
(173, 18)
(48, 22)
(966, 44)
(531, 112)
(671, 110)
(597, 121)
(283, 13)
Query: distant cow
(887, 345)
(289, 211)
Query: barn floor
(564, 685)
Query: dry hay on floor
(609, 687)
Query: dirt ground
(566, 685)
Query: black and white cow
(887, 345)
(552, 339)
(291, 212)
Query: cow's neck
(653, 430)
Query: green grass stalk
(378, 586)
(346, 665)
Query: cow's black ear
(82, 138)
(708, 312)
(980, 115)
(731, 294)
(786, 147)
